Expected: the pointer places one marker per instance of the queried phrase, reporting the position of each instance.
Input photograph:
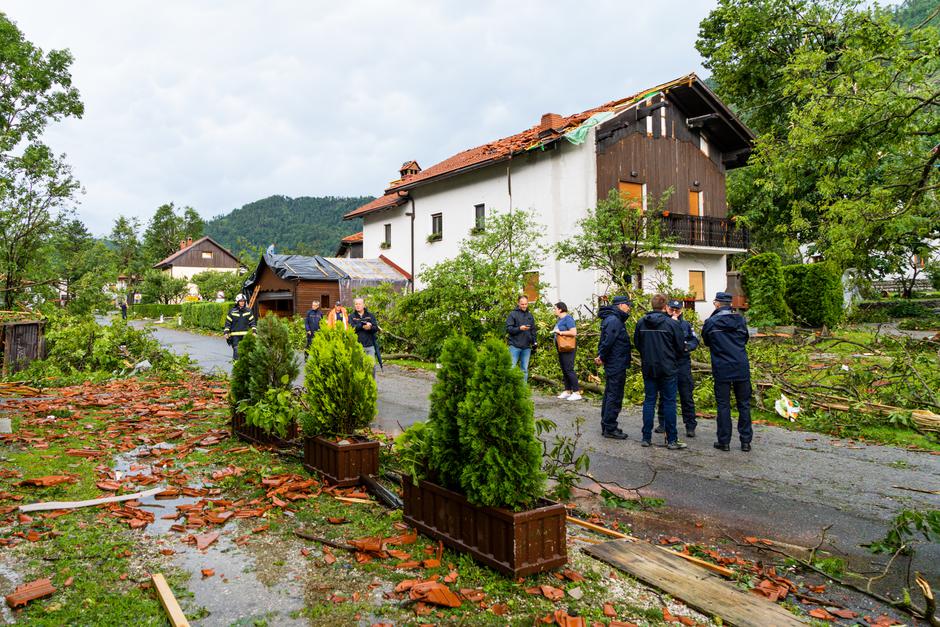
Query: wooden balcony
(686, 230)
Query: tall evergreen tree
(502, 458)
(458, 356)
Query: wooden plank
(172, 607)
(694, 585)
(41, 507)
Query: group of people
(665, 342)
(241, 319)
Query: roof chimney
(189, 241)
(182, 244)
(409, 168)
(551, 123)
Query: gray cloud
(215, 104)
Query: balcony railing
(686, 230)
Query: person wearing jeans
(566, 327)
(520, 327)
(661, 343)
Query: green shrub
(763, 283)
(154, 310)
(457, 360)
(275, 412)
(413, 451)
(341, 392)
(272, 359)
(814, 293)
(210, 316)
(908, 309)
(502, 458)
(238, 390)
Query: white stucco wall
(558, 185)
(185, 272)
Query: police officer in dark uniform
(613, 353)
(684, 381)
(238, 322)
(725, 334)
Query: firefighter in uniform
(238, 322)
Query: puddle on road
(254, 582)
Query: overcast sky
(216, 104)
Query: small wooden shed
(21, 341)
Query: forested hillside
(305, 225)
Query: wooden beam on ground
(170, 604)
(41, 507)
(692, 584)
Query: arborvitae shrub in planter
(272, 359)
(502, 458)
(341, 392)
(239, 381)
(762, 278)
(814, 293)
(458, 357)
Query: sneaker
(677, 445)
(646, 443)
(659, 429)
(574, 397)
(564, 394)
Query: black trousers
(568, 375)
(613, 399)
(235, 340)
(742, 394)
(685, 387)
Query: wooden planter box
(514, 543)
(341, 464)
(256, 435)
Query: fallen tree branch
(931, 602)
(336, 545)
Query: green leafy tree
(458, 357)
(502, 458)
(34, 183)
(167, 229)
(472, 293)
(846, 103)
(340, 391)
(615, 239)
(762, 279)
(212, 282)
(272, 358)
(193, 225)
(125, 240)
(160, 287)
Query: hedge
(209, 316)
(154, 310)
(762, 279)
(814, 293)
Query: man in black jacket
(238, 322)
(520, 326)
(312, 322)
(725, 334)
(660, 341)
(366, 326)
(613, 353)
(684, 382)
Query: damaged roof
(688, 91)
(317, 268)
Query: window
(388, 236)
(437, 227)
(480, 222)
(697, 284)
(207, 254)
(633, 193)
(325, 301)
(695, 203)
(531, 283)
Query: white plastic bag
(787, 408)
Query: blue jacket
(725, 334)
(517, 337)
(312, 321)
(614, 345)
(691, 340)
(661, 342)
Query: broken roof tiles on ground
(551, 128)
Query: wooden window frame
(437, 225)
(388, 235)
(479, 217)
(702, 295)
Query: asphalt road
(788, 488)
